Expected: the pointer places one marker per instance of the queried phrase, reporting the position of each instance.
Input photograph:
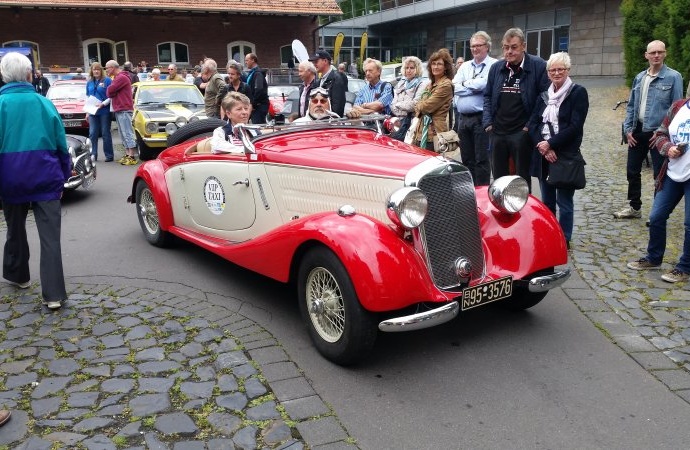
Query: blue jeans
(100, 124)
(124, 124)
(563, 199)
(664, 203)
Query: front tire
(147, 212)
(146, 152)
(522, 298)
(342, 331)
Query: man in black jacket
(332, 80)
(256, 79)
(512, 88)
(41, 83)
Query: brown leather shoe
(4, 416)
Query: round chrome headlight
(407, 207)
(193, 119)
(170, 128)
(180, 122)
(152, 127)
(509, 194)
(87, 145)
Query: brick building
(68, 33)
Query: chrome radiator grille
(451, 228)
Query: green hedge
(645, 21)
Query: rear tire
(194, 130)
(147, 212)
(342, 331)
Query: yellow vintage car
(160, 108)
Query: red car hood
(69, 106)
(343, 149)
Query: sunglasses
(323, 101)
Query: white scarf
(550, 114)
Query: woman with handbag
(432, 108)
(406, 95)
(557, 127)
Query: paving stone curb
(141, 364)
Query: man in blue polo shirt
(376, 96)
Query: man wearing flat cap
(331, 80)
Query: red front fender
(153, 173)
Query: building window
(546, 32)
(458, 39)
(173, 52)
(237, 50)
(25, 44)
(286, 56)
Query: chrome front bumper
(449, 311)
(548, 282)
(426, 319)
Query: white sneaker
(23, 285)
(54, 304)
(628, 213)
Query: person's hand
(543, 147)
(674, 152)
(550, 156)
(488, 129)
(631, 140)
(354, 114)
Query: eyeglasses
(477, 46)
(514, 48)
(323, 101)
(558, 70)
(658, 52)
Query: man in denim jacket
(653, 91)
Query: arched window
(103, 50)
(286, 55)
(25, 44)
(237, 50)
(173, 52)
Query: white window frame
(241, 44)
(173, 57)
(85, 48)
(25, 43)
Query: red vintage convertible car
(377, 235)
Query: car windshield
(174, 94)
(279, 91)
(67, 92)
(355, 84)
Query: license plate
(488, 292)
(71, 123)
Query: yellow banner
(363, 47)
(336, 50)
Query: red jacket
(120, 91)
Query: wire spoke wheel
(325, 304)
(148, 211)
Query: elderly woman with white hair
(556, 128)
(406, 95)
(34, 164)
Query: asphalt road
(546, 378)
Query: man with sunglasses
(319, 107)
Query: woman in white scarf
(556, 127)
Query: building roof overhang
(271, 7)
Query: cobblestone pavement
(647, 317)
(131, 364)
(121, 366)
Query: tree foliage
(645, 21)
